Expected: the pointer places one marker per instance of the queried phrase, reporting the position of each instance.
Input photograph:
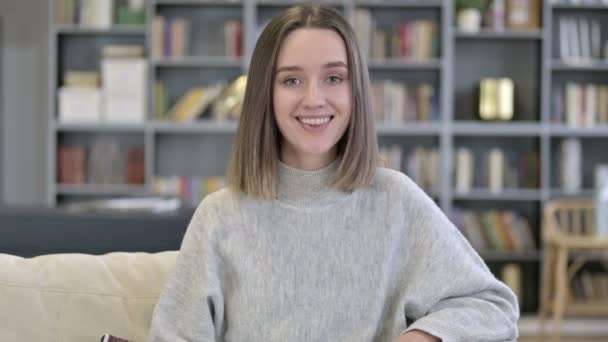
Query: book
(81, 79)
(511, 275)
(496, 170)
(71, 164)
(464, 170)
(122, 51)
(161, 100)
(523, 14)
(571, 165)
(194, 103)
(189, 105)
(106, 162)
(135, 165)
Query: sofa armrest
(79, 297)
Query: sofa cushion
(78, 297)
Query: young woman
(313, 241)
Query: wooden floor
(566, 339)
(573, 329)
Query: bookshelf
(458, 62)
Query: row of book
(495, 230)
(580, 2)
(421, 164)
(171, 38)
(104, 162)
(580, 40)
(571, 167)
(495, 170)
(416, 40)
(513, 15)
(590, 286)
(217, 102)
(581, 105)
(115, 94)
(395, 102)
(190, 190)
(99, 14)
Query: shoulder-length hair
(253, 168)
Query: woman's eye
(292, 81)
(334, 79)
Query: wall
(23, 101)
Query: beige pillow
(78, 297)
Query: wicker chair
(569, 234)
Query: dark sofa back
(29, 232)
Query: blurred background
(119, 115)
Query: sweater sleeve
(451, 293)
(190, 307)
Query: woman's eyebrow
(298, 68)
(335, 64)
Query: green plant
(476, 4)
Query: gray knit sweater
(318, 264)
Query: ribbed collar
(309, 189)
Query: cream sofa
(79, 297)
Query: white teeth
(315, 121)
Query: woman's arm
(416, 336)
(451, 292)
(190, 307)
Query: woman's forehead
(312, 47)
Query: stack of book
(85, 13)
(80, 99)
(124, 77)
(191, 106)
(99, 14)
(513, 15)
(498, 170)
(191, 190)
(495, 230)
(581, 105)
(422, 164)
(397, 103)
(217, 102)
(580, 40)
(105, 162)
(416, 40)
(170, 37)
(590, 286)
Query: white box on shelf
(124, 109)
(80, 105)
(124, 76)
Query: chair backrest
(569, 217)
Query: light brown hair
(253, 167)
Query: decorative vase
(469, 20)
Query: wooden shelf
(509, 128)
(505, 35)
(115, 30)
(504, 195)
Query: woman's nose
(314, 97)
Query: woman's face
(311, 96)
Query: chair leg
(561, 283)
(547, 290)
